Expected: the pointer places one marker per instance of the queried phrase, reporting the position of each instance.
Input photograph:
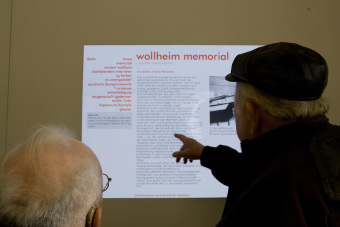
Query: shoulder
(325, 147)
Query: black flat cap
(285, 70)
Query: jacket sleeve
(223, 161)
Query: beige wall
(41, 47)
(5, 26)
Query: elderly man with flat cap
(288, 173)
(51, 180)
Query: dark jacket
(289, 176)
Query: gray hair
(28, 198)
(279, 108)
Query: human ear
(253, 117)
(97, 219)
(90, 216)
(94, 217)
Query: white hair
(28, 198)
(279, 108)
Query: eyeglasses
(107, 179)
(92, 211)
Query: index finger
(180, 137)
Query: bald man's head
(51, 178)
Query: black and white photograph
(221, 102)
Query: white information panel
(135, 97)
